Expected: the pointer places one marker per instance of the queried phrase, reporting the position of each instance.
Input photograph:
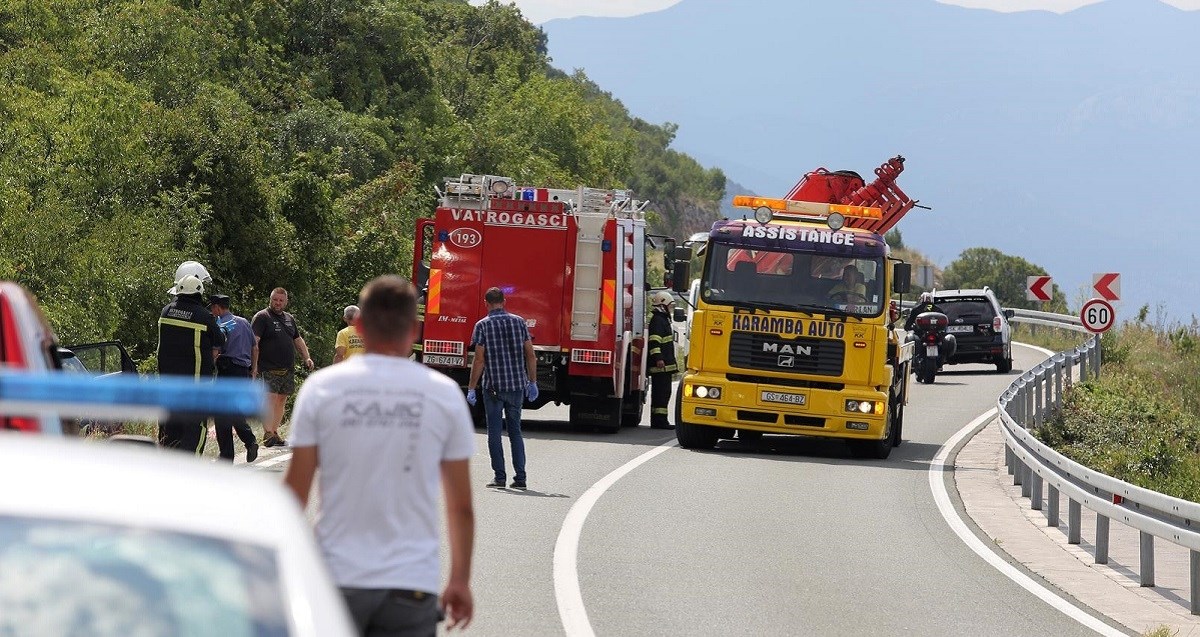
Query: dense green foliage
(282, 143)
(1006, 275)
(1140, 421)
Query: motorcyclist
(660, 359)
(924, 304)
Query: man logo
(787, 361)
(788, 348)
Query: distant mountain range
(1070, 140)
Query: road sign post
(1097, 316)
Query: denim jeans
(503, 409)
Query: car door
(104, 358)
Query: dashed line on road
(941, 497)
(566, 550)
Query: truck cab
(792, 331)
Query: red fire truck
(572, 263)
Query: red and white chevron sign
(1036, 288)
(1107, 285)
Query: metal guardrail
(1026, 404)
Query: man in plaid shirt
(505, 360)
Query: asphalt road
(787, 536)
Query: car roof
(127, 484)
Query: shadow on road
(914, 456)
(563, 430)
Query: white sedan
(102, 539)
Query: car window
(73, 364)
(969, 310)
(77, 578)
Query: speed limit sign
(1097, 316)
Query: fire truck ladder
(589, 259)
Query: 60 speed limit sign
(1097, 316)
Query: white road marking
(566, 549)
(281, 458)
(942, 497)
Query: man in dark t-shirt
(276, 339)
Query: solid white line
(1035, 348)
(566, 549)
(942, 497)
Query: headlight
(864, 406)
(702, 392)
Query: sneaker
(273, 440)
(495, 484)
(252, 452)
(518, 484)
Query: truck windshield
(740, 276)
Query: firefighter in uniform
(660, 359)
(188, 338)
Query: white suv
(979, 325)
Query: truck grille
(752, 350)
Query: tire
(875, 449)
(897, 422)
(692, 436)
(1004, 366)
(635, 403)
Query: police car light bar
(115, 397)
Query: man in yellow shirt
(348, 343)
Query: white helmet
(662, 298)
(193, 268)
(189, 284)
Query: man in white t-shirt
(385, 431)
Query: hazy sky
(539, 11)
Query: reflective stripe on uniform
(199, 329)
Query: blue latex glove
(471, 397)
(531, 391)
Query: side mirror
(901, 277)
(669, 254)
(1010, 313)
(681, 280)
(680, 315)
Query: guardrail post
(1083, 365)
(1194, 578)
(1008, 459)
(1101, 539)
(1038, 399)
(1074, 517)
(1058, 383)
(1035, 490)
(1026, 486)
(1096, 357)
(1019, 472)
(1052, 505)
(1147, 550)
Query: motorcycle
(933, 345)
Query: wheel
(929, 365)
(635, 403)
(875, 449)
(897, 422)
(691, 436)
(749, 435)
(1004, 366)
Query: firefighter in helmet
(660, 359)
(188, 338)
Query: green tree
(1004, 274)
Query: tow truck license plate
(958, 329)
(780, 397)
(434, 359)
